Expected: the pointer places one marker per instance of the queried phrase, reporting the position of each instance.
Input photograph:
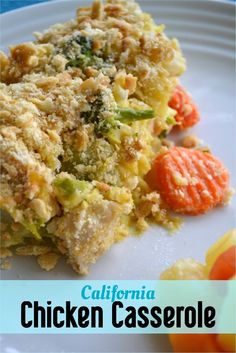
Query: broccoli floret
(94, 115)
(84, 61)
(97, 107)
(84, 43)
(103, 127)
(78, 51)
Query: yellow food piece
(48, 261)
(187, 269)
(223, 244)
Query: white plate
(206, 33)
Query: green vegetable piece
(69, 186)
(128, 115)
(85, 60)
(66, 186)
(82, 62)
(32, 228)
(163, 134)
(71, 192)
(95, 116)
(84, 43)
(171, 120)
(79, 62)
(97, 107)
(78, 50)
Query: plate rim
(229, 3)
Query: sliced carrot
(189, 181)
(225, 266)
(187, 113)
(194, 343)
(227, 342)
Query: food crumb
(5, 265)
(141, 225)
(228, 197)
(204, 149)
(48, 261)
(168, 143)
(190, 141)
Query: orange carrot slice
(189, 181)
(227, 342)
(187, 113)
(225, 266)
(194, 343)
